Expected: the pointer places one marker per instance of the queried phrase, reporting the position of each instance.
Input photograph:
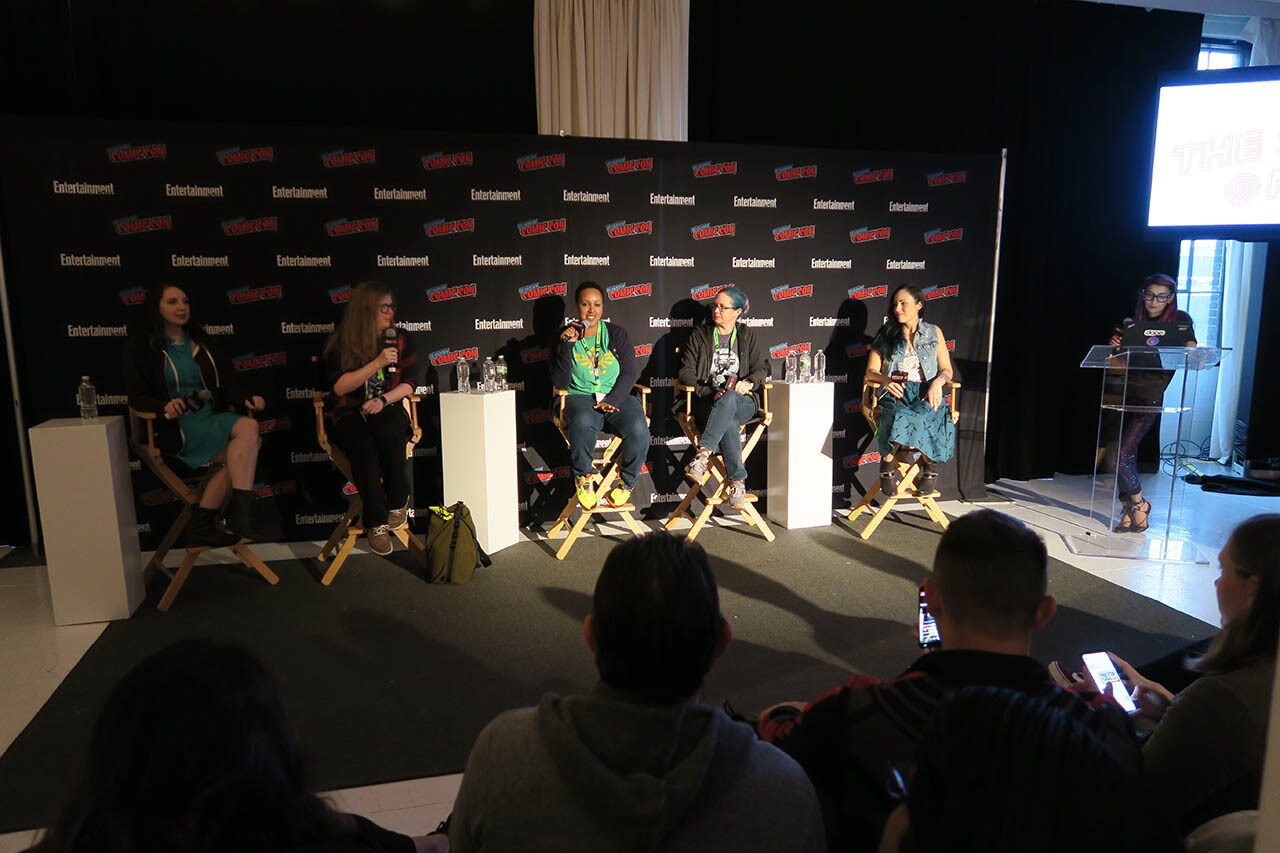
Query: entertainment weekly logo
(540, 227)
(133, 296)
(347, 227)
(942, 179)
(241, 226)
(129, 225)
(622, 290)
(441, 160)
(780, 351)
(340, 159)
(707, 231)
(872, 176)
(703, 292)
(942, 291)
(243, 295)
(789, 232)
(861, 293)
(535, 162)
(943, 235)
(866, 235)
(129, 153)
(253, 361)
(446, 227)
(443, 357)
(449, 292)
(627, 165)
(707, 169)
(238, 156)
(535, 291)
(535, 355)
(622, 228)
(794, 173)
(791, 291)
(340, 295)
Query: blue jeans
(726, 415)
(585, 422)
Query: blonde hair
(356, 338)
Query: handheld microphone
(195, 401)
(896, 376)
(389, 337)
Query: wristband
(383, 398)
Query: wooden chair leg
(245, 554)
(636, 527)
(879, 516)
(574, 533)
(865, 503)
(175, 530)
(341, 530)
(755, 518)
(179, 578)
(341, 558)
(563, 520)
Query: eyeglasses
(387, 307)
(1148, 296)
(716, 306)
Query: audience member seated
(170, 370)
(988, 594)
(638, 763)
(1205, 756)
(192, 752)
(999, 771)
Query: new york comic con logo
(539, 227)
(267, 490)
(791, 291)
(872, 176)
(445, 227)
(142, 224)
(240, 226)
(866, 235)
(540, 415)
(253, 361)
(627, 165)
(340, 295)
(707, 169)
(707, 231)
(238, 156)
(622, 290)
(793, 232)
(622, 228)
(129, 153)
(446, 356)
(942, 179)
(537, 290)
(941, 291)
(243, 295)
(778, 351)
(703, 292)
(857, 460)
(448, 292)
(535, 355)
(875, 290)
(794, 173)
(642, 350)
(441, 160)
(133, 296)
(347, 227)
(534, 162)
(943, 235)
(270, 425)
(342, 158)
(546, 475)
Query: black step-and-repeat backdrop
(483, 239)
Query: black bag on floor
(452, 550)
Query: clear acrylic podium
(1134, 384)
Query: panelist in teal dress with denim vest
(909, 358)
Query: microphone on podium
(390, 337)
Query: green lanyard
(601, 347)
(733, 337)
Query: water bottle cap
(84, 378)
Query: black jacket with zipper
(145, 366)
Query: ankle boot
(890, 480)
(927, 481)
(240, 514)
(202, 531)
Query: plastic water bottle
(789, 371)
(488, 375)
(87, 397)
(804, 375)
(501, 373)
(819, 366)
(464, 376)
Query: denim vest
(926, 351)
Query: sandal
(1126, 518)
(1143, 508)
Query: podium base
(1147, 547)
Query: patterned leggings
(1124, 458)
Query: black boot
(202, 531)
(927, 481)
(240, 514)
(890, 480)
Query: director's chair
(189, 489)
(908, 468)
(717, 477)
(607, 470)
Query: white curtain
(1245, 262)
(613, 68)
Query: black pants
(375, 448)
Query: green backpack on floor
(452, 550)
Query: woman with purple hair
(1157, 303)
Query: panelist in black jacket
(595, 362)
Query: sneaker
(398, 519)
(587, 491)
(737, 493)
(380, 540)
(618, 496)
(697, 469)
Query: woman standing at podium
(1157, 303)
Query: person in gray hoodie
(638, 763)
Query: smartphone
(926, 626)
(1104, 674)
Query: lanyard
(733, 336)
(595, 354)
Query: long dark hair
(1171, 307)
(1255, 548)
(891, 333)
(192, 752)
(151, 326)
